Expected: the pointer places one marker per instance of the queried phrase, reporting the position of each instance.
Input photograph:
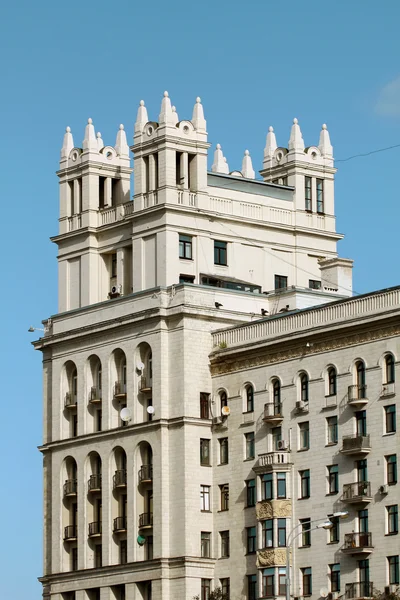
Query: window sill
(185, 258)
(331, 444)
(205, 465)
(332, 543)
(304, 498)
(303, 449)
(391, 533)
(223, 510)
(222, 464)
(308, 546)
(205, 511)
(393, 483)
(220, 265)
(223, 557)
(248, 459)
(388, 433)
(332, 493)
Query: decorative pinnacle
(175, 115)
(247, 166)
(166, 115)
(166, 95)
(100, 143)
(325, 145)
(68, 129)
(198, 119)
(296, 141)
(68, 143)
(219, 165)
(90, 141)
(141, 118)
(270, 145)
(121, 145)
(141, 103)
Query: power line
(367, 153)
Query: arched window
(74, 385)
(276, 393)
(360, 374)
(304, 387)
(249, 398)
(332, 381)
(389, 368)
(223, 399)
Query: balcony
(358, 590)
(357, 493)
(119, 525)
(70, 533)
(357, 395)
(330, 401)
(145, 520)
(272, 413)
(120, 390)
(70, 488)
(146, 474)
(356, 444)
(387, 390)
(94, 483)
(119, 479)
(95, 395)
(145, 384)
(70, 400)
(95, 529)
(358, 543)
(273, 461)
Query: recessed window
(390, 418)
(250, 492)
(389, 369)
(332, 430)
(314, 284)
(268, 533)
(276, 435)
(251, 540)
(226, 588)
(332, 381)
(281, 485)
(276, 396)
(220, 253)
(268, 582)
(205, 543)
(185, 247)
(305, 532)
(391, 469)
(393, 566)
(281, 533)
(223, 451)
(333, 531)
(223, 399)
(205, 589)
(204, 405)
(205, 452)
(224, 496)
(205, 497)
(334, 571)
(281, 282)
(333, 479)
(252, 587)
(308, 193)
(123, 552)
(304, 483)
(186, 278)
(392, 519)
(267, 486)
(250, 445)
(304, 435)
(307, 581)
(224, 536)
(249, 398)
(304, 387)
(360, 377)
(320, 196)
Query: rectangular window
(332, 430)
(392, 519)
(390, 418)
(113, 265)
(98, 556)
(205, 542)
(304, 435)
(149, 548)
(281, 485)
(304, 483)
(334, 530)
(333, 479)
(335, 577)
(224, 493)
(266, 486)
(282, 533)
(391, 469)
(307, 581)
(205, 589)
(251, 545)
(276, 434)
(361, 422)
(252, 587)
(185, 247)
(282, 581)
(268, 582)
(393, 564)
(250, 445)
(123, 552)
(250, 492)
(204, 405)
(268, 533)
(281, 282)
(226, 588)
(314, 284)
(186, 278)
(362, 470)
(224, 535)
(74, 559)
(205, 497)
(305, 532)
(363, 521)
(220, 253)
(308, 193)
(223, 451)
(205, 452)
(320, 196)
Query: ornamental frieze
(271, 557)
(268, 509)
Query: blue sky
(254, 64)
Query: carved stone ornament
(274, 557)
(267, 509)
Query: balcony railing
(272, 412)
(119, 524)
(70, 532)
(94, 483)
(119, 389)
(70, 400)
(70, 487)
(388, 389)
(272, 460)
(145, 473)
(357, 395)
(145, 384)
(145, 520)
(95, 395)
(357, 543)
(356, 444)
(359, 589)
(359, 491)
(94, 528)
(119, 479)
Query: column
(107, 192)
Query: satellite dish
(125, 415)
(139, 365)
(323, 592)
(150, 410)
(141, 540)
(225, 411)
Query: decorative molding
(271, 557)
(268, 509)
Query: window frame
(205, 544)
(223, 451)
(205, 498)
(332, 430)
(185, 247)
(305, 532)
(304, 435)
(390, 418)
(319, 189)
(391, 469)
(205, 587)
(224, 543)
(267, 534)
(205, 458)
(332, 381)
(393, 569)
(250, 493)
(333, 479)
(250, 444)
(392, 516)
(249, 398)
(281, 477)
(251, 540)
(224, 496)
(304, 387)
(306, 581)
(305, 484)
(267, 483)
(279, 280)
(220, 253)
(308, 193)
(335, 577)
(390, 376)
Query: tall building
(134, 465)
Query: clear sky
(254, 64)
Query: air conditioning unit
(282, 445)
(300, 405)
(115, 291)
(384, 489)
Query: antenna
(126, 415)
(139, 365)
(150, 410)
(141, 540)
(225, 411)
(323, 592)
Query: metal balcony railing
(145, 384)
(119, 389)
(70, 532)
(359, 589)
(357, 393)
(357, 541)
(146, 473)
(272, 411)
(119, 478)
(95, 528)
(145, 520)
(356, 444)
(70, 487)
(359, 491)
(95, 395)
(94, 483)
(119, 524)
(70, 400)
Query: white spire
(325, 142)
(296, 141)
(68, 143)
(166, 115)
(271, 144)
(247, 166)
(100, 143)
(198, 119)
(141, 118)
(219, 165)
(175, 115)
(121, 145)
(90, 141)
(226, 166)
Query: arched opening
(144, 500)
(118, 376)
(249, 393)
(95, 393)
(144, 376)
(119, 506)
(69, 511)
(389, 375)
(94, 510)
(332, 382)
(69, 392)
(304, 388)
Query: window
(282, 533)
(266, 486)
(304, 387)
(204, 405)
(361, 422)
(362, 470)
(314, 284)
(223, 398)
(224, 493)
(113, 265)
(363, 573)
(149, 548)
(392, 519)
(249, 398)
(281, 485)
(226, 588)
(223, 451)
(205, 543)
(205, 497)
(281, 282)
(186, 278)
(74, 559)
(333, 531)
(389, 369)
(305, 532)
(390, 418)
(98, 556)
(320, 196)
(205, 452)
(282, 581)
(276, 434)
(268, 582)
(363, 521)
(268, 533)
(251, 544)
(391, 469)
(220, 253)
(304, 435)
(360, 374)
(333, 479)
(276, 392)
(308, 193)
(205, 589)
(335, 577)
(250, 492)
(332, 381)
(252, 587)
(224, 535)
(304, 483)
(332, 430)
(250, 445)
(123, 552)
(185, 247)
(393, 564)
(307, 581)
